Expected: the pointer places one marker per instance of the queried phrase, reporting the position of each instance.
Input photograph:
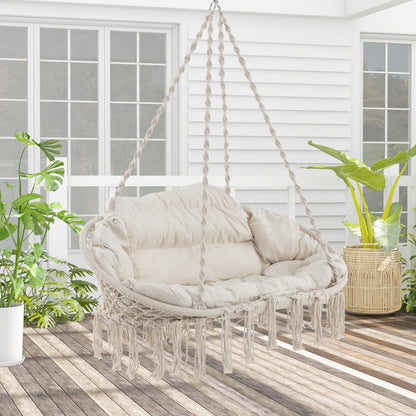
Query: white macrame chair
(131, 317)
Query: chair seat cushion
(285, 278)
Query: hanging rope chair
(146, 253)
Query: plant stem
(363, 226)
(367, 216)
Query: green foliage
(409, 276)
(25, 220)
(376, 231)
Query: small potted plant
(24, 223)
(374, 269)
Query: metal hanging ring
(214, 5)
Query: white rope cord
(224, 105)
(205, 168)
(159, 112)
(292, 176)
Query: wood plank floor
(372, 371)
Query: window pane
(152, 161)
(398, 91)
(9, 157)
(123, 47)
(399, 57)
(398, 122)
(147, 112)
(123, 83)
(123, 120)
(74, 238)
(53, 81)
(152, 48)
(374, 56)
(13, 42)
(84, 200)
(122, 152)
(372, 152)
(374, 125)
(152, 83)
(374, 200)
(13, 79)
(13, 117)
(54, 119)
(374, 90)
(84, 120)
(53, 44)
(84, 82)
(393, 149)
(84, 45)
(84, 157)
(403, 196)
(129, 191)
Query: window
(386, 109)
(95, 90)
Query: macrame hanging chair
(138, 314)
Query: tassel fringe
(226, 344)
(336, 315)
(178, 333)
(271, 323)
(296, 321)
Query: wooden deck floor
(371, 372)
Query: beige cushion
(279, 238)
(161, 235)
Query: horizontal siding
(306, 87)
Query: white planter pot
(11, 335)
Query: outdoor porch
(370, 372)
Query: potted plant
(374, 269)
(24, 223)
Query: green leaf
(23, 137)
(18, 287)
(37, 250)
(41, 206)
(55, 205)
(400, 157)
(358, 173)
(50, 148)
(354, 228)
(27, 221)
(4, 233)
(51, 176)
(12, 228)
(21, 200)
(8, 185)
(387, 231)
(342, 157)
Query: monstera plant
(33, 284)
(375, 231)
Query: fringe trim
(316, 321)
(176, 339)
(295, 320)
(158, 352)
(271, 323)
(200, 348)
(248, 337)
(98, 336)
(116, 343)
(226, 344)
(336, 315)
(134, 359)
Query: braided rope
(159, 113)
(205, 168)
(224, 105)
(262, 108)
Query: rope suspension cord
(224, 105)
(266, 117)
(205, 165)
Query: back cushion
(161, 233)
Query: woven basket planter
(374, 280)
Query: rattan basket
(374, 280)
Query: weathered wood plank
(7, 404)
